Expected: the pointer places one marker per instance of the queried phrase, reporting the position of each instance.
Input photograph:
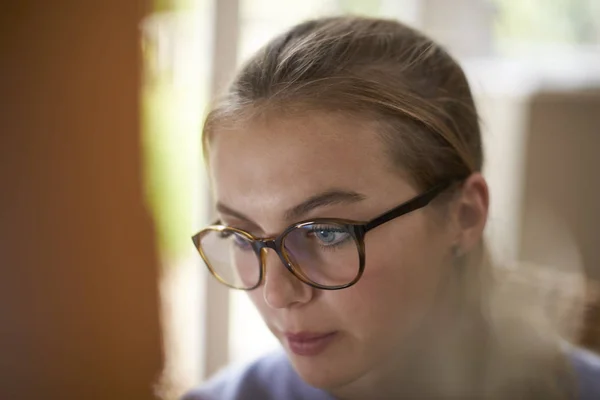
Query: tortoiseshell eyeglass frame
(357, 229)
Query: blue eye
(330, 236)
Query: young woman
(345, 163)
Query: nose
(281, 288)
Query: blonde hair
(390, 73)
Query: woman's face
(333, 338)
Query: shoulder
(587, 368)
(270, 377)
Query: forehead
(284, 160)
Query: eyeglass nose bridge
(260, 247)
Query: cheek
(398, 287)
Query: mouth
(309, 344)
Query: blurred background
(534, 66)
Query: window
(521, 26)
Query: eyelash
(331, 247)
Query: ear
(471, 211)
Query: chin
(324, 371)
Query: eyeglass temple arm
(409, 206)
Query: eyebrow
(327, 198)
(223, 209)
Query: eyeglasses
(325, 253)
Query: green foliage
(171, 117)
(171, 148)
(173, 5)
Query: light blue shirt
(273, 378)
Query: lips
(309, 343)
